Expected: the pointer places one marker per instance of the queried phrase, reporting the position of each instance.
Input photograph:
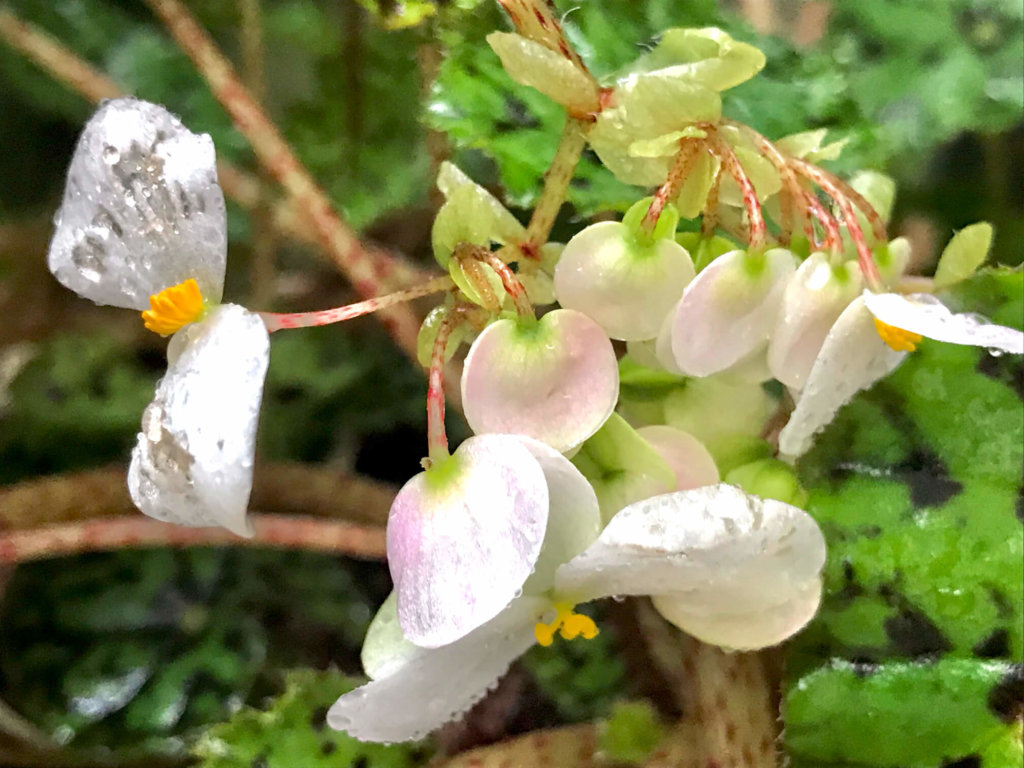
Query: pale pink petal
(574, 519)
(729, 310)
(852, 358)
(685, 454)
(556, 380)
(435, 686)
(626, 287)
(716, 549)
(924, 314)
(462, 540)
(813, 301)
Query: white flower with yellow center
(142, 225)
(729, 568)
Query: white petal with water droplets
(852, 358)
(142, 210)
(574, 518)
(461, 543)
(760, 626)
(556, 380)
(193, 461)
(924, 314)
(435, 686)
(626, 287)
(728, 312)
(813, 301)
(719, 548)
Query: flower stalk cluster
(566, 492)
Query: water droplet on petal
(111, 155)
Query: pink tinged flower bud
(813, 301)
(464, 536)
(627, 286)
(729, 310)
(555, 380)
(689, 460)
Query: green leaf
(292, 732)
(631, 732)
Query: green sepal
(964, 254)
(769, 479)
(665, 227)
(708, 57)
(630, 733)
(704, 250)
(428, 334)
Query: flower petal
(626, 287)
(464, 537)
(142, 210)
(924, 314)
(728, 311)
(385, 648)
(717, 549)
(556, 380)
(852, 358)
(435, 686)
(574, 518)
(759, 627)
(530, 63)
(193, 461)
(685, 454)
(812, 303)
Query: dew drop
(995, 352)
(111, 155)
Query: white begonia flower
(871, 337)
(142, 225)
(732, 569)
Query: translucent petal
(574, 519)
(964, 254)
(729, 310)
(470, 214)
(464, 537)
(555, 380)
(626, 286)
(193, 461)
(809, 145)
(685, 454)
(761, 172)
(708, 56)
(530, 63)
(852, 358)
(435, 686)
(644, 107)
(813, 301)
(760, 627)
(924, 314)
(385, 648)
(142, 210)
(723, 551)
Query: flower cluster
(569, 490)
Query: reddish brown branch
(682, 166)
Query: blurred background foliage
(133, 654)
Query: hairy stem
(682, 165)
(276, 321)
(369, 272)
(437, 436)
(514, 288)
(757, 231)
(556, 183)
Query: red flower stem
(833, 239)
(791, 200)
(682, 166)
(827, 182)
(757, 232)
(860, 202)
(437, 437)
(311, 534)
(370, 274)
(709, 217)
(276, 321)
(514, 288)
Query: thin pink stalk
(277, 321)
(757, 232)
(369, 273)
(828, 183)
(791, 200)
(312, 534)
(682, 166)
(833, 239)
(437, 436)
(514, 288)
(709, 217)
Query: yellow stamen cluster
(567, 623)
(897, 338)
(174, 308)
